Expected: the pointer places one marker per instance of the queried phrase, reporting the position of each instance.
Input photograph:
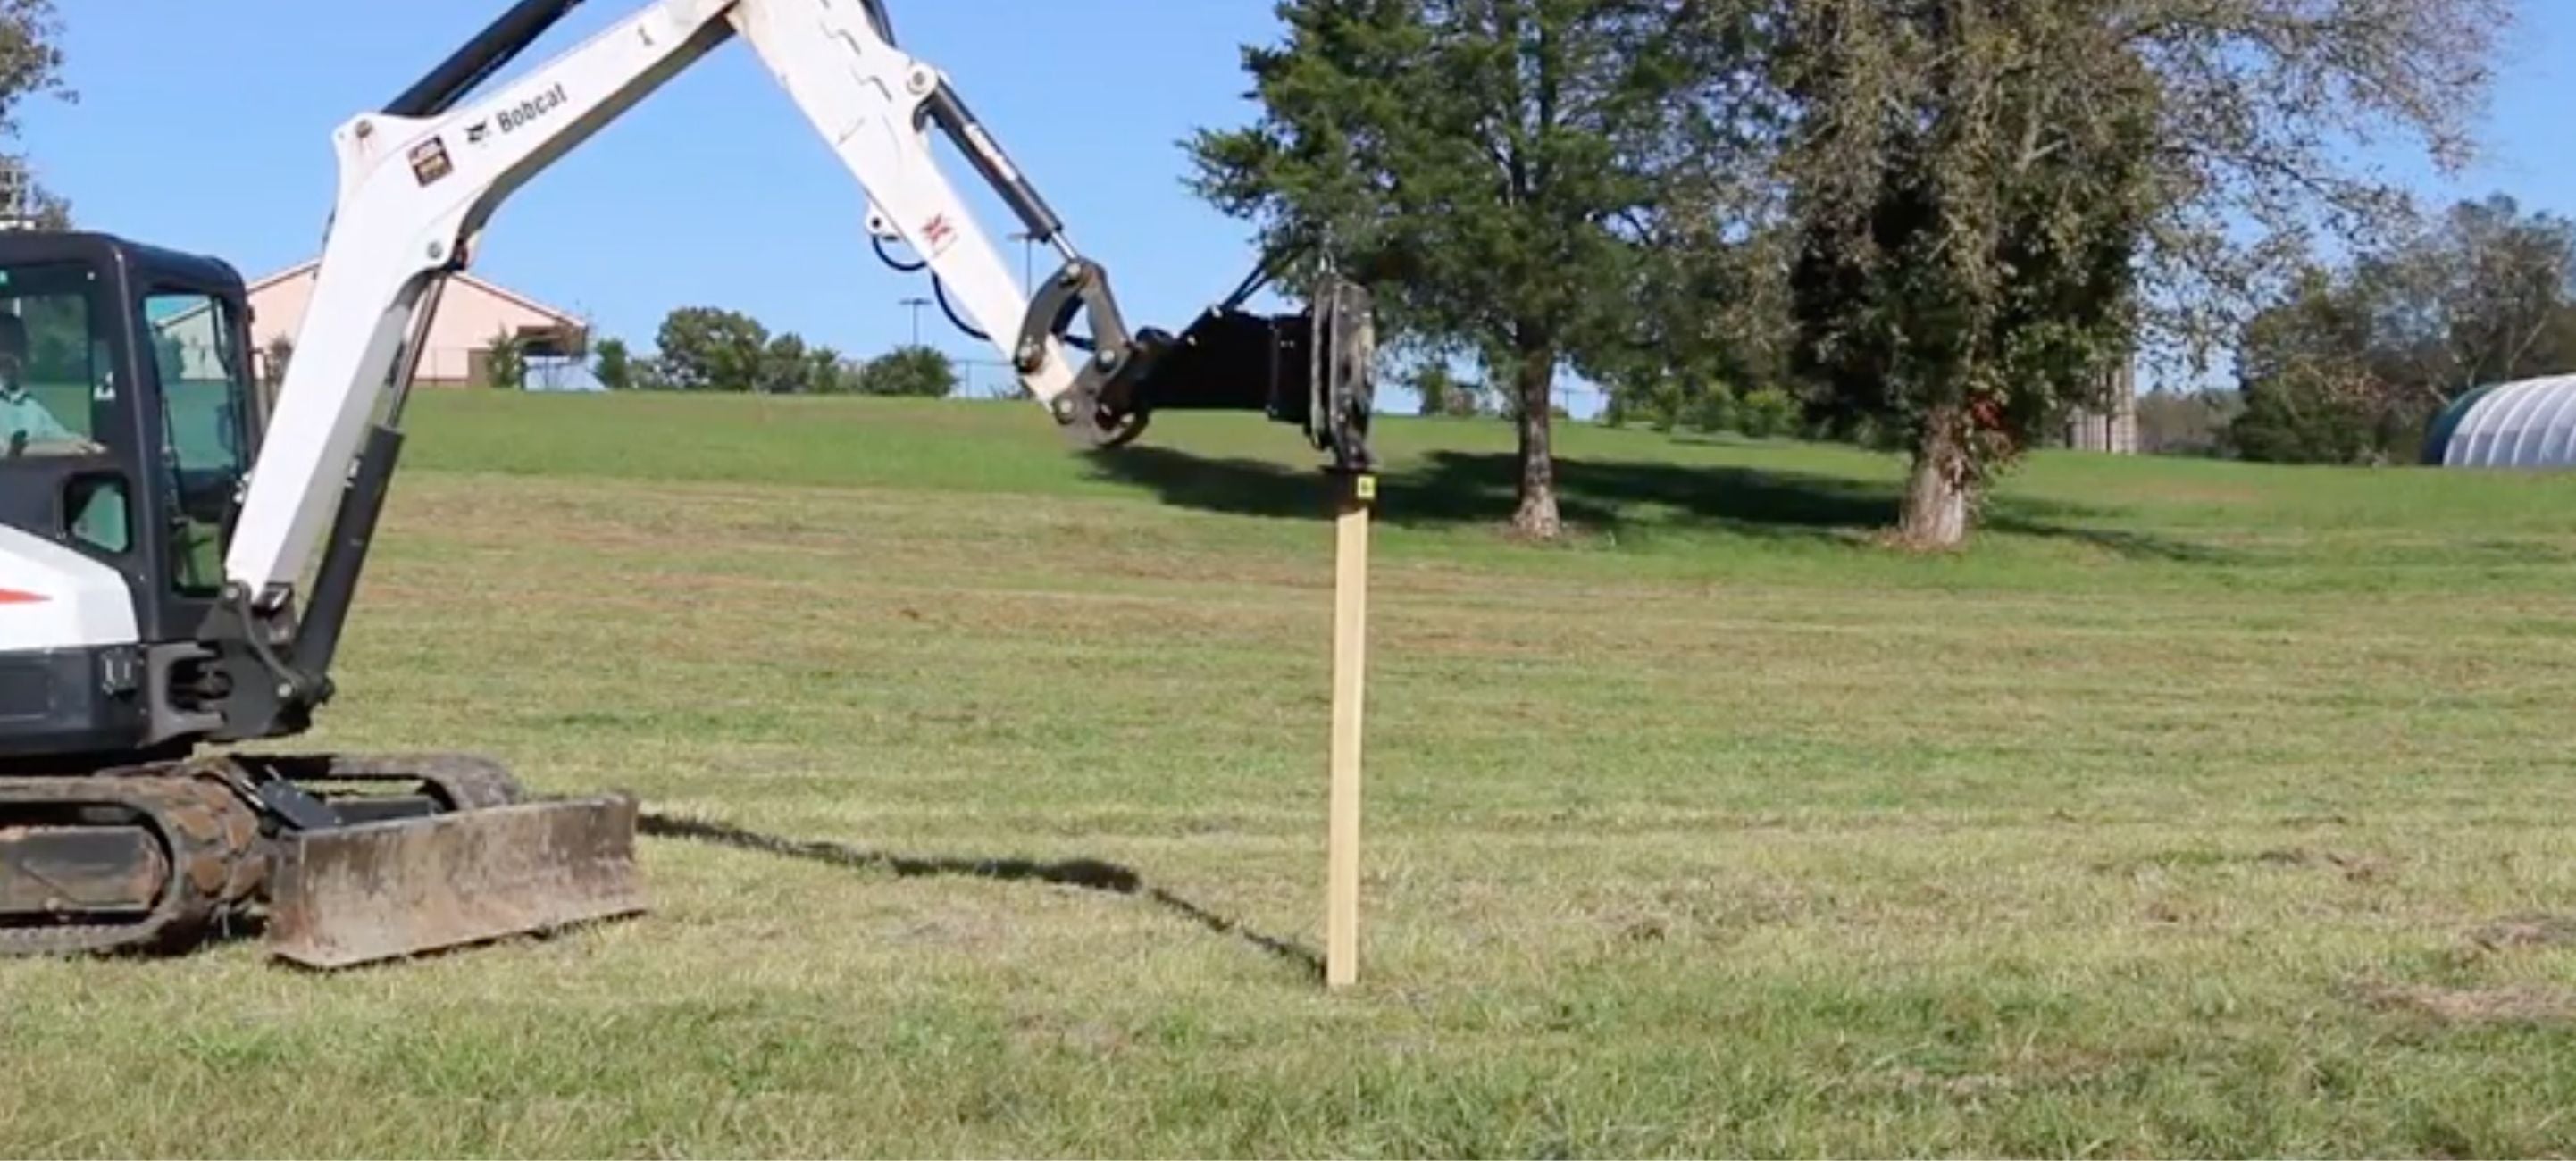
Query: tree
(22, 197)
(507, 368)
(31, 65)
(784, 367)
(52, 210)
(1966, 217)
(2486, 296)
(1995, 201)
(2353, 364)
(169, 356)
(1478, 163)
(1442, 392)
(1708, 310)
(614, 365)
(908, 370)
(828, 373)
(706, 349)
(275, 356)
(2186, 423)
(31, 57)
(2305, 369)
(2292, 421)
(1766, 412)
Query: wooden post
(1350, 662)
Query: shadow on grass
(2137, 545)
(1088, 874)
(1455, 488)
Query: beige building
(471, 313)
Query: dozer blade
(375, 891)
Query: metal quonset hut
(2529, 423)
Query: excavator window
(56, 383)
(204, 392)
(53, 360)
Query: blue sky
(207, 127)
(2529, 133)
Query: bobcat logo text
(512, 118)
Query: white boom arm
(415, 193)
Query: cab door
(204, 412)
(70, 470)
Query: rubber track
(210, 837)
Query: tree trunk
(1536, 517)
(1941, 491)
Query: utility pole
(916, 304)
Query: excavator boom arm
(418, 182)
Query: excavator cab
(127, 424)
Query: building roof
(309, 266)
(2528, 423)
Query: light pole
(916, 304)
(1028, 260)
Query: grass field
(2200, 809)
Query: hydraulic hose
(938, 289)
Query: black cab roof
(203, 270)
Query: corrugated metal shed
(2530, 423)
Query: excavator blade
(374, 891)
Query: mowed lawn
(2199, 809)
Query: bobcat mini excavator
(158, 512)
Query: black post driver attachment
(1314, 369)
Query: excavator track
(340, 859)
(143, 862)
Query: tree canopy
(2352, 364)
(910, 370)
(614, 365)
(709, 349)
(704, 348)
(507, 365)
(31, 66)
(1480, 163)
(1999, 203)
